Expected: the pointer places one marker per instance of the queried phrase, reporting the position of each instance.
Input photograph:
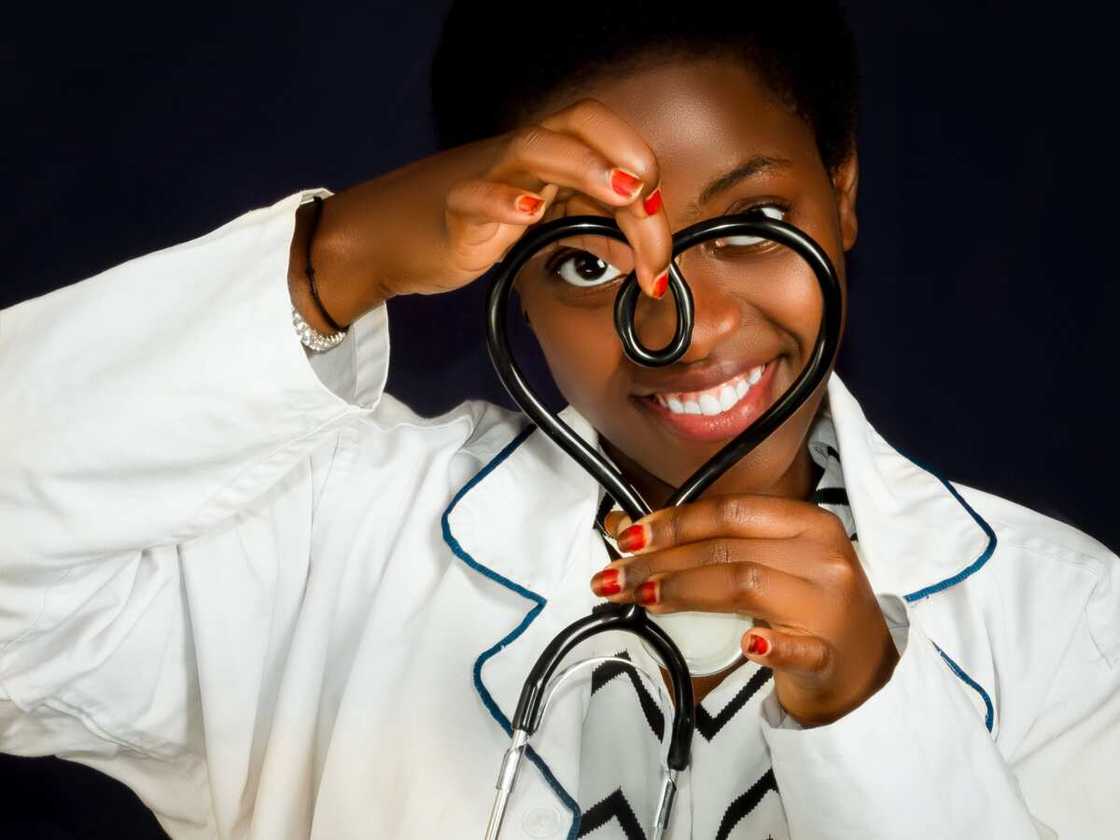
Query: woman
(254, 587)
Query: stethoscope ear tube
(633, 619)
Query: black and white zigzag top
(729, 792)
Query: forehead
(701, 118)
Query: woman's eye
(772, 211)
(581, 268)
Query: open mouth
(719, 412)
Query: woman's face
(759, 309)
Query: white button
(541, 822)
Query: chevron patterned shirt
(729, 791)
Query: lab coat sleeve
(146, 404)
(914, 760)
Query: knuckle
(593, 165)
(646, 165)
(637, 571)
(526, 139)
(719, 552)
(831, 524)
(747, 578)
(665, 530)
(818, 657)
(590, 110)
(590, 113)
(731, 511)
(458, 194)
(478, 193)
(676, 528)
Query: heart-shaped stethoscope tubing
(537, 689)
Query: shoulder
(463, 439)
(1034, 531)
(1033, 551)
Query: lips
(712, 401)
(718, 412)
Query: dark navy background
(982, 285)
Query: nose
(718, 312)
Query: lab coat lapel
(918, 536)
(523, 529)
(918, 539)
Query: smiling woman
(276, 602)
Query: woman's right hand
(440, 222)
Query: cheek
(582, 352)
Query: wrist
(340, 261)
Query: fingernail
(652, 202)
(661, 285)
(633, 538)
(529, 203)
(607, 582)
(757, 645)
(625, 183)
(647, 593)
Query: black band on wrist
(311, 271)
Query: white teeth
(709, 405)
(713, 402)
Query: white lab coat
(277, 604)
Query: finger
(743, 588)
(628, 573)
(484, 218)
(536, 155)
(477, 200)
(732, 515)
(786, 651)
(653, 244)
(644, 222)
(615, 521)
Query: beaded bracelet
(311, 338)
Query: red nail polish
(606, 583)
(529, 203)
(661, 285)
(758, 645)
(652, 202)
(633, 538)
(624, 183)
(647, 593)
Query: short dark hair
(497, 60)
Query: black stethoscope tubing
(631, 617)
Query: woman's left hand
(790, 565)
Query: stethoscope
(542, 683)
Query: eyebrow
(754, 165)
(747, 168)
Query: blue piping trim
(538, 605)
(976, 564)
(989, 718)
